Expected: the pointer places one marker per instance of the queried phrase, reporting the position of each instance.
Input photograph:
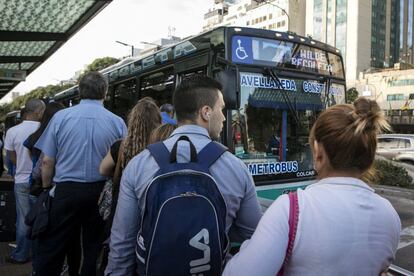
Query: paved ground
(401, 199)
(405, 209)
(7, 269)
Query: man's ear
(205, 113)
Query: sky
(129, 21)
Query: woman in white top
(343, 228)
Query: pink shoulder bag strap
(293, 225)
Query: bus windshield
(271, 127)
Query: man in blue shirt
(74, 143)
(199, 104)
(167, 114)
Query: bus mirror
(228, 79)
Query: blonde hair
(348, 134)
(162, 132)
(142, 120)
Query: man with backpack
(181, 198)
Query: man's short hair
(167, 108)
(93, 85)
(33, 106)
(192, 94)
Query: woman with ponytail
(340, 226)
(142, 120)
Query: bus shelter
(32, 30)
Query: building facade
(393, 89)
(281, 15)
(369, 33)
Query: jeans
(24, 201)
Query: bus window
(159, 86)
(124, 98)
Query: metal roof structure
(32, 30)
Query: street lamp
(277, 6)
(150, 43)
(129, 45)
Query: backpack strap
(210, 153)
(293, 225)
(160, 153)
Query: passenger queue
(174, 200)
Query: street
(403, 202)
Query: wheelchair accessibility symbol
(240, 51)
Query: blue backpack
(183, 228)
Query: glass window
(403, 143)
(124, 98)
(330, 38)
(401, 23)
(341, 14)
(158, 86)
(410, 24)
(317, 19)
(270, 131)
(387, 143)
(395, 97)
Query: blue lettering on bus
(273, 168)
(252, 169)
(313, 87)
(264, 82)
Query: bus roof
(285, 36)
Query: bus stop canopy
(32, 30)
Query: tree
(351, 95)
(99, 64)
(50, 90)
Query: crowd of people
(159, 197)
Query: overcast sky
(129, 21)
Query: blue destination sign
(265, 82)
(318, 88)
(273, 168)
(313, 87)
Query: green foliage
(99, 64)
(392, 175)
(51, 90)
(351, 95)
(38, 93)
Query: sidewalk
(394, 191)
(7, 269)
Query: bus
(12, 118)
(274, 85)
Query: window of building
(340, 32)
(317, 19)
(406, 82)
(270, 16)
(264, 18)
(395, 97)
(247, 23)
(330, 38)
(410, 24)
